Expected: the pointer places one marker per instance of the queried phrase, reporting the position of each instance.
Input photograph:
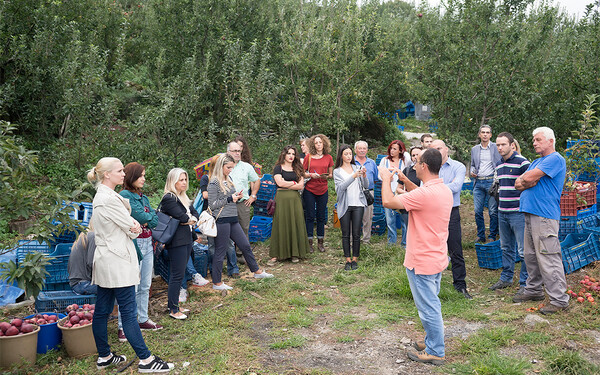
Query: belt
(485, 178)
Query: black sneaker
(156, 365)
(353, 265)
(348, 266)
(500, 284)
(113, 360)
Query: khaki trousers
(544, 260)
(367, 222)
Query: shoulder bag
(368, 196)
(207, 223)
(164, 231)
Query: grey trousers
(367, 222)
(544, 260)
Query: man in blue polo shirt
(542, 186)
(360, 149)
(511, 222)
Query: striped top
(507, 173)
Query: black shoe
(353, 265)
(500, 284)
(157, 365)
(527, 297)
(465, 293)
(480, 240)
(114, 360)
(348, 266)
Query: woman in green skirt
(288, 237)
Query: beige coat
(115, 260)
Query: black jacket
(172, 206)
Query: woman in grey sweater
(351, 202)
(221, 201)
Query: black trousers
(459, 271)
(351, 222)
(178, 257)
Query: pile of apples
(41, 319)
(78, 316)
(16, 327)
(589, 286)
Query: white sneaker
(199, 280)
(263, 275)
(182, 295)
(222, 287)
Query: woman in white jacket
(116, 269)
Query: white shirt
(353, 191)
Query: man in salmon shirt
(429, 208)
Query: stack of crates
(266, 192)
(260, 228)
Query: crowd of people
(420, 188)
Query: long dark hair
(133, 171)
(246, 153)
(296, 165)
(402, 149)
(339, 161)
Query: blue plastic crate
(588, 211)
(590, 224)
(58, 274)
(57, 301)
(579, 250)
(467, 186)
(260, 208)
(489, 255)
(161, 265)
(26, 246)
(261, 220)
(567, 225)
(201, 258)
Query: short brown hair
(310, 143)
(133, 171)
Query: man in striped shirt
(511, 221)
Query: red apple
(12, 331)
(84, 322)
(80, 314)
(75, 319)
(88, 316)
(580, 299)
(41, 322)
(26, 328)
(16, 322)
(4, 326)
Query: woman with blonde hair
(116, 269)
(178, 205)
(222, 199)
(318, 165)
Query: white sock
(147, 360)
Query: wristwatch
(253, 196)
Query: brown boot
(321, 246)
(311, 249)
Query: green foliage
(486, 341)
(493, 364)
(29, 274)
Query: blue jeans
(425, 290)
(512, 237)
(142, 291)
(105, 302)
(231, 256)
(392, 228)
(320, 212)
(190, 271)
(480, 196)
(85, 287)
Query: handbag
(207, 223)
(495, 190)
(367, 193)
(165, 229)
(271, 207)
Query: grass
(315, 305)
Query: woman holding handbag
(222, 199)
(351, 202)
(116, 269)
(176, 204)
(288, 239)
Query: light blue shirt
(242, 175)
(372, 172)
(453, 173)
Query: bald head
(439, 145)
